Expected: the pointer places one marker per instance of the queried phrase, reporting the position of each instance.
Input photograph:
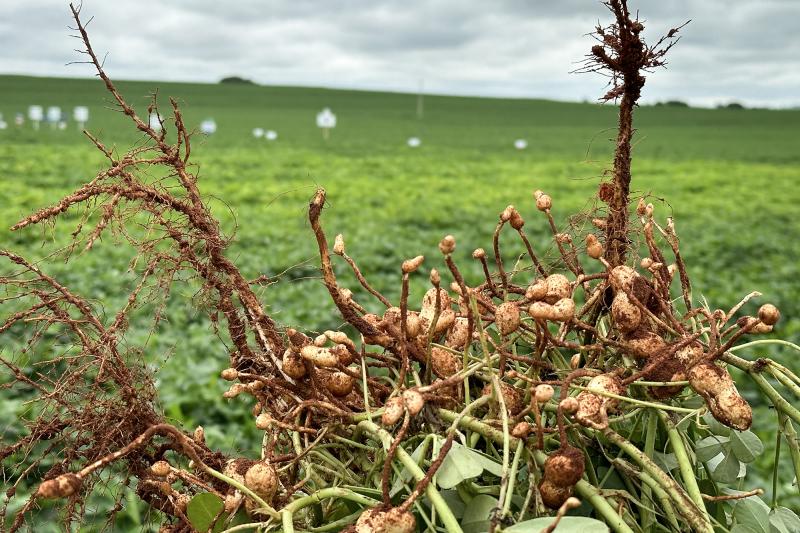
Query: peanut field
(729, 177)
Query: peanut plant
(580, 385)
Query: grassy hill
(372, 122)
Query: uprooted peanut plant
(544, 392)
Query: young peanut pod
(511, 397)
(410, 265)
(446, 315)
(554, 496)
(593, 247)
(537, 290)
(558, 287)
(564, 467)
(627, 316)
(393, 411)
(569, 405)
(644, 344)
(293, 364)
(543, 393)
(593, 408)
(717, 388)
(769, 314)
(506, 316)
(338, 383)
(443, 363)
(262, 479)
(386, 521)
(522, 430)
(458, 335)
(322, 357)
(563, 310)
(414, 401)
(62, 486)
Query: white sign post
(155, 121)
(414, 142)
(326, 121)
(520, 144)
(53, 116)
(36, 115)
(81, 115)
(271, 135)
(19, 119)
(258, 132)
(208, 126)
(3, 124)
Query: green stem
(765, 341)
(593, 496)
(287, 521)
(659, 406)
(777, 400)
(754, 371)
(784, 380)
(775, 470)
(445, 513)
(647, 516)
(584, 489)
(663, 499)
(787, 428)
(696, 518)
(243, 489)
(687, 470)
(513, 477)
(504, 478)
(288, 512)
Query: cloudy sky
(734, 50)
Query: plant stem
(445, 513)
(686, 506)
(584, 489)
(659, 406)
(647, 517)
(787, 428)
(513, 477)
(687, 471)
(775, 470)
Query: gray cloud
(744, 50)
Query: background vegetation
(731, 174)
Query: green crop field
(729, 177)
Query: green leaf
(709, 447)
(568, 524)
(728, 469)
(783, 520)
(752, 513)
(716, 427)
(666, 461)
(746, 445)
(203, 509)
(463, 463)
(477, 514)
(454, 502)
(739, 528)
(405, 475)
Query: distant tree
(237, 80)
(732, 105)
(673, 103)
